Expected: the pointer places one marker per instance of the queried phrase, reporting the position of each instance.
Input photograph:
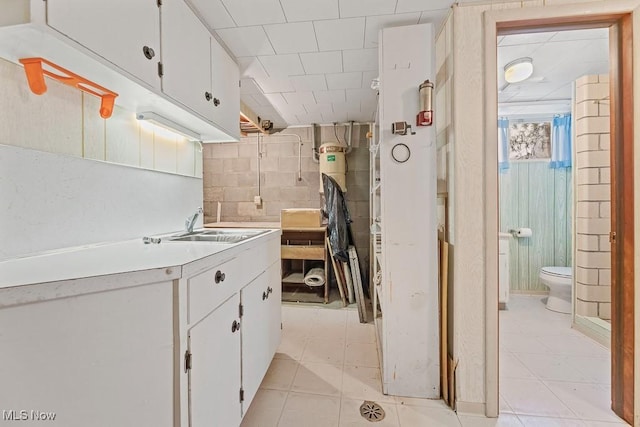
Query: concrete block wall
(593, 197)
(234, 173)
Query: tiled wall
(64, 120)
(535, 196)
(593, 198)
(231, 178)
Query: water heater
(333, 163)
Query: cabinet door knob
(269, 290)
(216, 102)
(235, 326)
(208, 96)
(148, 52)
(265, 296)
(220, 276)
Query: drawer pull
(235, 326)
(220, 276)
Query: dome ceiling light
(518, 70)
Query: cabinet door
(260, 329)
(214, 378)
(117, 30)
(226, 89)
(186, 58)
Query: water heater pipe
(349, 146)
(299, 152)
(316, 149)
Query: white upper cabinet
(126, 46)
(225, 84)
(186, 46)
(124, 32)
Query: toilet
(558, 279)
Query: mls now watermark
(27, 415)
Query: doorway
(547, 137)
(622, 233)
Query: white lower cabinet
(100, 359)
(230, 350)
(233, 328)
(214, 377)
(261, 327)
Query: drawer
(204, 294)
(208, 290)
(302, 252)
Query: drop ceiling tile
(299, 98)
(527, 38)
(246, 41)
(214, 13)
(333, 118)
(250, 67)
(319, 108)
(358, 95)
(307, 119)
(367, 76)
(360, 60)
(292, 38)
(340, 34)
(275, 84)
(376, 23)
(310, 10)
(309, 82)
(420, 5)
(322, 62)
(361, 117)
(344, 81)
(350, 8)
(596, 33)
(282, 65)
(249, 86)
(345, 107)
(329, 96)
(255, 12)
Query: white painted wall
(69, 177)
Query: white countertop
(114, 258)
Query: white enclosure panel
(225, 83)
(117, 30)
(186, 57)
(409, 245)
(214, 379)
(103, 359)
(260, 329)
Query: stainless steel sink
(217, 235)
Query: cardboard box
(300, 218)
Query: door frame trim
(513, 21)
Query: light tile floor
(550, 374)
(327, 365)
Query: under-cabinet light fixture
(168, 124)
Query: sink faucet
(191, 221)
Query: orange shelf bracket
(35, 71)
